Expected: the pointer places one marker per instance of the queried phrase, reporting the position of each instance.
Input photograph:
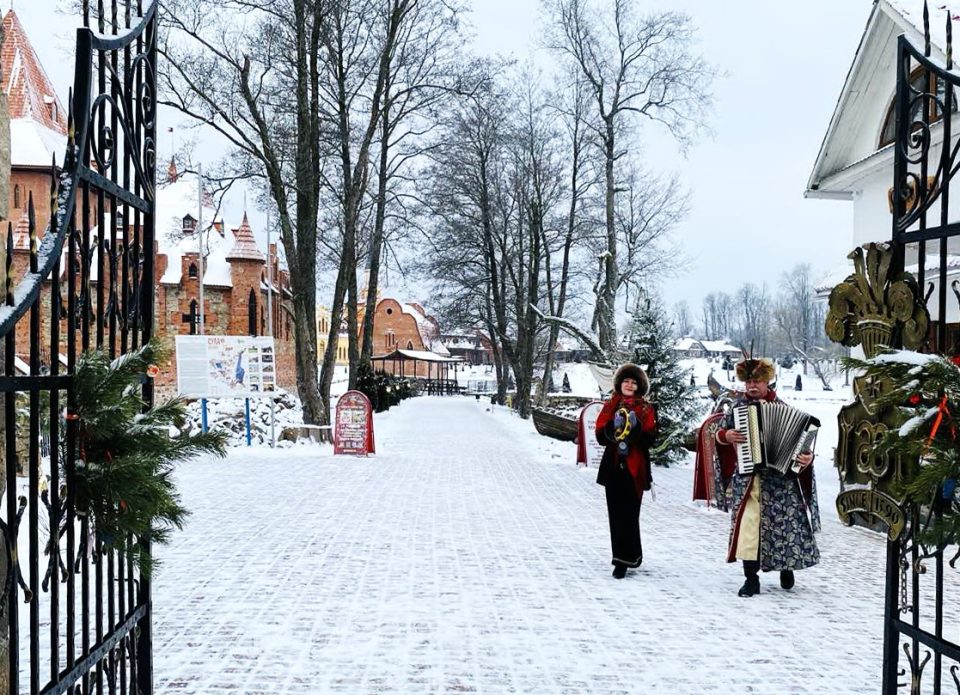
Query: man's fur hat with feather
(634, 372)
(757, 369)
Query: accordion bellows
(776, 434)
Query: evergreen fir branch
(923, 393)
(125, 454)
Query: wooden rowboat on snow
(556, 423)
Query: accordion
(776, 434)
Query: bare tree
(419, 78)
(681, 319)
(753, 310)
(633, 66)
(232, 67)
(463, 211)
(796, 312)
(709, 310)
(646, 214)
(573, 107)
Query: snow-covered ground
(472, 555)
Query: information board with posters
(353, 430)
(226, 366)
(589, 450)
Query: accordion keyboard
(749, 452)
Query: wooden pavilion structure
(409, 364)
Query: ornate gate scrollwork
(875, 308)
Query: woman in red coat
(627, 427)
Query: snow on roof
(685, 344)
(216, 269)
(912, 11)
(245, 246)
(34, 145)
(719, 346)
(176, 200)
(422, 355)
(30, 93)
(429, 331)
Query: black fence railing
(79, 616)
(921, 650)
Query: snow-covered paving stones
(471, 555)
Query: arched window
(252, 313)
(409, 345)
(921, 82)
(192, 270)
(16, 196)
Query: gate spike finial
(926, 29)
(71, 132)
(9, 266)
(949, 40)
(54, 191)
(32, 231)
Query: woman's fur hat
(634, 372)
(758, 369)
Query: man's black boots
(619, 571)
(751, 586)
(786, 579)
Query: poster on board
(353, 431)
(589, 450)
(226, 366)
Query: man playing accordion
(774, 515)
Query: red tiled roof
(245, 247)
(30, 93)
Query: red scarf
(636, 458)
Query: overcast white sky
(785, 64)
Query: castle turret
(247, 309)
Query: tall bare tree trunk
(376, 242)
(607, 323)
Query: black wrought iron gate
(79, 618)
(922, 621)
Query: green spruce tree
(651, 341)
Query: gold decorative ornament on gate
(874, 308)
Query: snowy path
(471, 555)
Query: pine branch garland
(924, 392)
(125, 453)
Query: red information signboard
(353, 433)
(589, 450)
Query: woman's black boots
(751, 570)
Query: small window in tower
(16, 196)
(409, 345)
(252, 314)
(192, 270)
(389, 311)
